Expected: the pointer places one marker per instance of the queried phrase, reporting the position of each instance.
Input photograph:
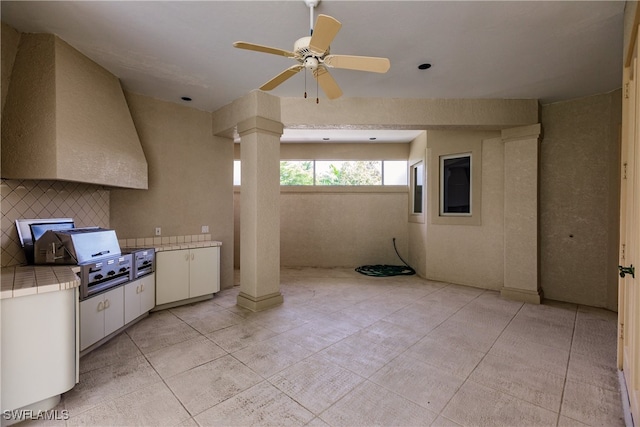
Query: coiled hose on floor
(383, 270)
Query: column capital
(260, 124)
(522, 132)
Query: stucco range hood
(66, 118)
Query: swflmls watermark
(30, 414)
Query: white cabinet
(139, 297)
(100, 316)
(187, 273)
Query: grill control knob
(123, 269)
(111, 273)
(98, 276)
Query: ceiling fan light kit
(312, 53)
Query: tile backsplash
(87, 204)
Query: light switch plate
(205, 228)
(158, 231)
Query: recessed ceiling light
(186, 98)
(424, 66)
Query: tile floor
(347, 350)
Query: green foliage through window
(296, 172)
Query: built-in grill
(144, 261)
(95, 250)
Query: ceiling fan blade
(265, 49)
(282, 77)
(327, 83)
(361, 63)
(323, 33)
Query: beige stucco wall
(470, 254)
(10, 39)
(342, 229)
(416, 226)
(190, 179)
(579, 190)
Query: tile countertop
(18, 281)
(184, 245)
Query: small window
(296, 172)
(417, 188)
(455, 185)
(349, 172)
(394, 172)
(236, 172)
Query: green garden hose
(383, 270)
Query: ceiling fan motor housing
(302, 51)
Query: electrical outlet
(205, 228)
(158, 231)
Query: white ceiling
(547, 50)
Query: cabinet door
(91, 321)
(131, 301)
(172, 276)
(147, 293)
(203, 272)
(114, 310)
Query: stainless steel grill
(95, 250)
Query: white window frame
(442, 188)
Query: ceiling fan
(312, 53)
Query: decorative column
(521, 224)
(260, 213)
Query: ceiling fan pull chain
(305, 84)
(317, 98)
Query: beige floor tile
(592, 405)
(530, 384)
(160, 329)
(444, 422)
(315, 383)
(414, 337)
(372, 405)
(419, 382)
(240, 336)
(108, 383)
(196, 310)
(419, 317)
(207, 385)
(358, 354)
(272, 355)
(207, 322)
(477, 405)
(458, 332)
(172, 360)
(392, 335)
(544, 330)
(584, 369)
(455, 359)
(538, 356)
(569, 422)
(153, 405)
(261, 405)
(316, 337)
(116, 350)
(596, 338)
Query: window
(455, 185)
(417, 188)
(236, 172)
(296, 172)
(348, 172)
(337, 172)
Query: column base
(259, 303)
(523, 295)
